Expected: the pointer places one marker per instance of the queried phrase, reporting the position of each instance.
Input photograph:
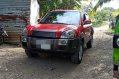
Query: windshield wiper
(54, 23)
(60, 23)
(43, 22)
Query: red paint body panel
(60, 28)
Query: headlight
(117, 41)
(63, 42)
(24, 38)
(67, 34)
(64, 37)
(24, 35)
(24, 32)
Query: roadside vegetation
(47, 5)
(102, 17)
(109, 30)
(99, 18)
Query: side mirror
(39, 20)
(87, 22)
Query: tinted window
(61, 17)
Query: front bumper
(50, 45)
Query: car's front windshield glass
(62, 17)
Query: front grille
(43, 33)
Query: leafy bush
(98, 23)
(100, 18)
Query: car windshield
(62, 17)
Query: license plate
(43, 44)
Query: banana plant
(115, 13)
(99, 4)
(47, 5)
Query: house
(15, 15)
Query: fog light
(118, 41)
(63, 42)
(24, 39)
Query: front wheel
(1, 40)
(77, 57)
(90, 42)
(30, 53)
(115, 67)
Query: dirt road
(96, 64)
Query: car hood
(54, 27)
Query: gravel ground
(96, 64)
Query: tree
(86, 6)
(47, 5)
(103, 15)
(115, 13)
(109, 8)
(99, 3)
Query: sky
(113, 3)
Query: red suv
(64, 31)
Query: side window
(84, 17)
(87, 17)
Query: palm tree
(99, 4)
(115, 13)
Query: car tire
(1, 40)
(30, 53)
(90, 42)
(77, 56)
(115, 67)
